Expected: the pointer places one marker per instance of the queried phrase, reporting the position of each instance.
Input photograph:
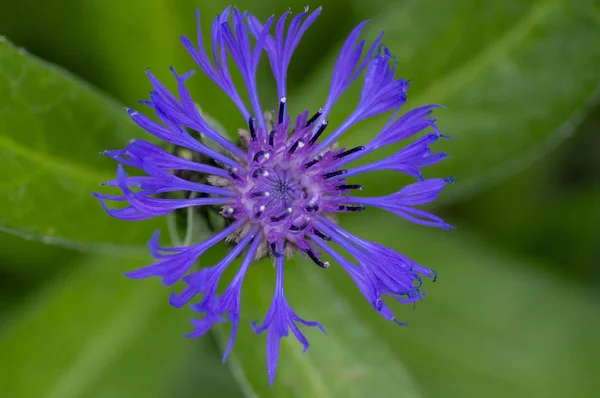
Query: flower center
(286, 180)
(284, 188)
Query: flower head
(280, 187)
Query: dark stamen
(271, 137)
(321, 235)
(261, 154)
(260, 211)
(312, 208)
(283, 215)
(313, 162)
(295, 228)
(233, 175)
(274, 250)
(335, 173)
(259, 172)
(252, 130)
(350, 186)
(296, 145)
(281, 110)
(352, 208)
(314, 117)
(264, 194)
(316, 259)
(349, 152)
(322, 128)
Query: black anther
(252, 129)
(352, 208)
(314, 117)
(234, 176)
(271, 137)
(259, 154)
(283, 215)
(313, 162)
(350, 186)
(295, 146)
(321, 235)
(335, 173)
(255, 195)
(322, 128)
(316, 259)
(349, 152)
(281, 110)
(312, 208)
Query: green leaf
(95, 333)
(52, 128)
(142, 35)
(516, 78)
(31, 259)
(347, 362)
(493, 325)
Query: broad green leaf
(493, 325)
(95, 333)
(52, 128)
(31, 259)
(114, 41)
(350, 361)
(516, 78)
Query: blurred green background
(515, 311)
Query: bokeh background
(515, 311)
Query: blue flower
(279, 188)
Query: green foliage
(517, 78)
(53, 127)
(93, 333)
